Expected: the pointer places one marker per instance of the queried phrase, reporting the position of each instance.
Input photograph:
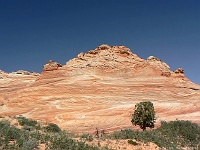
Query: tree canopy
(144, 115)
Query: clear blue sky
(35, 31)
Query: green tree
(144, 115)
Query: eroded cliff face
(99, 89)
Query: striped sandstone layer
(99, 89)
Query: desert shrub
(20, 141)
(83, 146)
(28, 122)
(64, 142)
(45, 137)
(28, 128)
(30, 144)
(37, 135)
(14, 133)
(23, 138)
(86, 137)
(105, 148)
(123, 134)
(132, 142)
(4, 127)
(27, 138)
(171, 135)
(4, 123)
(182, 133)
(52, 128)
(59, 142)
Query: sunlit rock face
(99, 89)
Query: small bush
(4, 127)
(86, 137)
(37, 135)
(123, 134)
(132, 142)
(30, 143)
(52, 128)
(14, 133)
(28, 122)
(61, 142)
(28, 128)
(4, 123)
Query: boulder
(103, 47)
(23, 72)
(51, 65)
(153, 58)
(179, 70)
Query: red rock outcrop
(179, 70)
(51, 65)
(99, 89)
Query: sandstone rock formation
(99, 89)
(23, 72)
(51, 65)
(179, 70)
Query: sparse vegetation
(170, 135)
(31, 135)
(132, 142)
(52, 128)
(28, 123)
(86, 137)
